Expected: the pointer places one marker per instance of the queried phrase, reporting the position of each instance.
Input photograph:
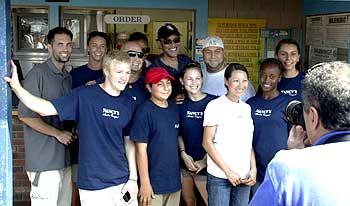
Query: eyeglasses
(169, 41)
(135, 53)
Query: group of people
(150, 135)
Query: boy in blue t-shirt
(155, 131)
(107, 168)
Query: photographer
(310, 176)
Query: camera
(294, 113)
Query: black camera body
(294, 113)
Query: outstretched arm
(36, 104)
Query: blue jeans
(222, 193)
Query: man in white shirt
(213, 74)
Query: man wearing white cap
(213, 75)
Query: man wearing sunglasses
(142, 40)
(170, 59)
(136, 84)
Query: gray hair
(327, 88)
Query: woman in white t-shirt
(228, 135)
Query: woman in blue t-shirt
(270, 124)
(288, 52)
(191, 134)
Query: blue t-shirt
(100, 119)
(191, 125)
(158, 127)
(271, 129)
(183, 60)
(83, 74)
(292, 86)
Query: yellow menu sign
(242, 42)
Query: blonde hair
(115, 55)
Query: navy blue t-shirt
(158, 127)
(183, 60)
(100, 119)
(191, 125)
(83, 74)
(292, 86)
(271, 129)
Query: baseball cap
(167, 30)
(213, 41)
(155, 74)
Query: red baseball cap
(155, 74)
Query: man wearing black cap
(170, 59)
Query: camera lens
(294, 113)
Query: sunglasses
(135, 53)
(169, 41)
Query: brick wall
(21, 185)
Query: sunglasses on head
(135, 53)
(169, 41)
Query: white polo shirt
(233, 137)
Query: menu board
(242, 41)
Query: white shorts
(53, 188)
(110, 196)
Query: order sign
(126, 19)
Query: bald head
(135, 53)
(131, 46)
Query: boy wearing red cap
(155, 131)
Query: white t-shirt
(214, 84)
(233, 137)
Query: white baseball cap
(213, 41)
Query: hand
(133, 189)
(146, 194)
(297, 138)
(233, 177)
(200, 164)
(64, 137)
(189, 162)
(250, 179)
(13, 80)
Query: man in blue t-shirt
(97, 49)
(107, 169)
(155, 131)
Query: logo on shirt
(291, 92)
(263, 113)
(110, 113)
(176, 126)
(197, 115)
